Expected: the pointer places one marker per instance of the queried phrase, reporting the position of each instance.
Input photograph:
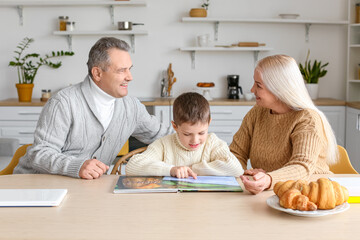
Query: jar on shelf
(45, 95)
(70, 26)
(357, 16)
(62, 22)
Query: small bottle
(45, 95)
(62, 22)
(70, 26)
(357, 17)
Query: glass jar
(62, 22)
(357, 17)
(70, 26)
(45, 95)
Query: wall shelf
(307, 23)
(21, 4)
(193, 50)
(132, 34)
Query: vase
(198, 12)
(24, 92)
(313, 90)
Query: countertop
(169, 101)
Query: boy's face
(191, 136)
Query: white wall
(167, 33)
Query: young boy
(191, 151)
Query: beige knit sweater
(287, 146)
(212, 158)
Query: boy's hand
(182, 172)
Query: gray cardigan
(68, 132)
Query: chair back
(15, 160)
(117, 168)
(343, 166)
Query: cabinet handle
(222, 112)
(161, 116)
(26, 132)
(223, 132)
(358, 122)
(28, 113)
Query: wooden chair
(343, 166)
(117, 168)
(15, 160)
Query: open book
(353, 186)
(132, 184)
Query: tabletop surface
(91, 211)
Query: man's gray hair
(98, 55)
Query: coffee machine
(233, 87)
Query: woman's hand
(261, 181)
(182, 172)
(252, 172)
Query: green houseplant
(28, 65)
(311, 74)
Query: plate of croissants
(314, 199)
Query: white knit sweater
(212, 158)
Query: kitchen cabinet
(336, 118)
(226, 120)
(217, 21)
(353, 136)
(19, 122)
(353, 67)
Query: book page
(231, 181)
(351, 183)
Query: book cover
(132, 184)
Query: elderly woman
(284, 135)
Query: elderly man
(83, 127)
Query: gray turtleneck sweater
(69, 132)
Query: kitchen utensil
(288, 15)
(126, 25)
(249, 44)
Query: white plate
(289, 16)
(273, 202)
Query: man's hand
(253, 171)
(92, 169)
(182, 172)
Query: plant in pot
(200, 12)
(28, 66)
(311, 74)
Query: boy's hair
(192, 108)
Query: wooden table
(91, 211)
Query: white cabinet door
(226, 120)
(336, 118)
(353, 136)
(19, 122)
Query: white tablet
(31, 197)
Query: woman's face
(263, 96)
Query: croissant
(324, 193)
(295, 200)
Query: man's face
(114, 81)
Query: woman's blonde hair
(282, 77)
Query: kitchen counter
(353, 105)
(169, 101)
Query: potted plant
(200, 12)
(28, 66)
(311, 74)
